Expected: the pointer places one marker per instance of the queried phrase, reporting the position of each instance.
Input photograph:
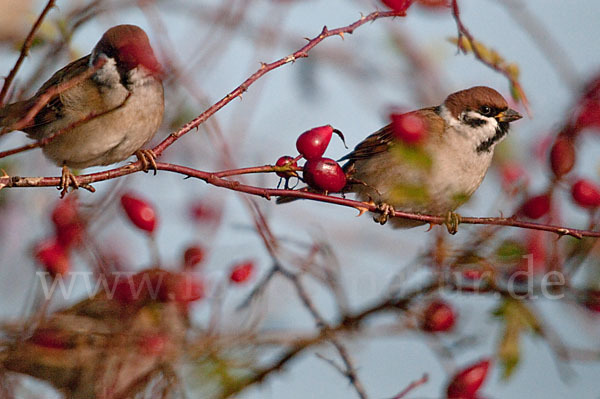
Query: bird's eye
(486, 111)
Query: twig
(421, 381)
(24, 50)
(463, 31)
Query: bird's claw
(385, 211)
(148, 160)
(452, 221)
(68, 179)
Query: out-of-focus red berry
(50, 338)
(511, 174)
(53, 256)
(586, 194)
(181, 288)
(66, 212)
(153, 344)
(203, 212)
(192, 257)
(313, 143)
(438, 317)
(286, 160)
(589, 115)
(591, 300)
(241, 272)
(68, 225)
(139, 211)
(536, 207)
(70, 235)
(562, 156)
(409, 128)
(324, 174)
(398, 5)
(466, 383)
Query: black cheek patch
(474, 122)
(486, 145)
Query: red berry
(409, 128)
(140, 212)
(562, 156)
(589, 115)
(241, 272)
(286, 161)
(466, 383)
(313, 143)
(181, 288)
(591, 300)
(192, 256)
(124, 291)
(53, 256)
(202, 211)
(511, 174)
(50, 338)
(586, 194)
(324, 174)
(153, 344)
(438, 317)
(70, 235)
(398, 5)
(536, 207)
(65, 212)
(68, 225)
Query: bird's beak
(508, 116)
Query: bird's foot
(452, 221)
(148, 160)
(386, 211)
(68, 179)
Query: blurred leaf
(510, 251)
(413, 155)
(517, 319)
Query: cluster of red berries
(69, 230)
(323, 174)
(584, 192)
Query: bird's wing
(381, 140)
(54, 108)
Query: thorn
(341, 34)
(4, 174)
(431, 225)
(361, 211)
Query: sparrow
(441, 173)
(102, 109)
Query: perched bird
(99, 109)
(439, 174)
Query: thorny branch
(214, 179)
(24, 50)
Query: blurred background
(211, 47)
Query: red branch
(216, 179)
